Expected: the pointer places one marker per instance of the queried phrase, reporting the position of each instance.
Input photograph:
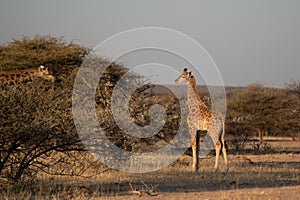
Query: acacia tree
(263, 110)
(36, 125)
(293, 90)
(37, 130)
(36, 122)
(25, 52)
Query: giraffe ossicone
(201, 118)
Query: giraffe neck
(8, 78)
(13, 77)
(193, 93)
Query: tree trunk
(260, 136)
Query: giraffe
(201, 118)
(12, 77)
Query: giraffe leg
(224, 148)
(218, 150)
(195, 143)
(225, 158)
(195, 149)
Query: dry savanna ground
(267, 174)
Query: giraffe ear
(191, 73)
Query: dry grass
(252, 175)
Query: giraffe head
(184, 77)
(45, 73)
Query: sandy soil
(235, 191)
(284, 193)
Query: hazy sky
(250, 41)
